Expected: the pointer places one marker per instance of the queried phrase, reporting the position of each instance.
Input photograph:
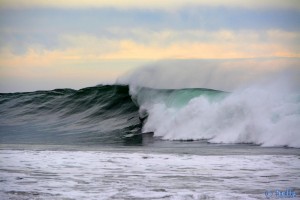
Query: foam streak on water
(111, 175)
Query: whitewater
(260, 114)
(95, 175)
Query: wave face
(111, 114)
(102, 114)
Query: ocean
(123, 142)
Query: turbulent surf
(114, 114)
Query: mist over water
(263, 109)
(226, 75)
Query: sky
(74, 44)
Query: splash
(267, 115)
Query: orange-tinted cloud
(87, 57)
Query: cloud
(167, 44)
(44, 70)
(88, 60)
(187, 44)
(166, 4)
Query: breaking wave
(265, 114)
(260, 115)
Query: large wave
(262, 115)
(265, 113)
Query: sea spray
(267, 115)
(218, 74)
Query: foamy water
(264, 114)
(29, 174)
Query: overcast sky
(74, 44)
